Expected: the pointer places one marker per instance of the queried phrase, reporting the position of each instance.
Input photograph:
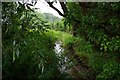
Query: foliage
(28, 52)
(99, 25)
(55, 23)
(98, 31)
(110, 71)
(29, 39)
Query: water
(58, 49)
(63, 59)
(66, 64)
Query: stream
(63, 59)
(67, 64)
(58, 49)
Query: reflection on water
(64, 61)
(58, 49)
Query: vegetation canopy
(84, 44)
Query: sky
(44, 8)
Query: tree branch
(87, 5)
(63, 7)
(51, 5)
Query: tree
(98, 23)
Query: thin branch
(64, 7)
(51, 5)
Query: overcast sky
(44, 8)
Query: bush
(111, 70)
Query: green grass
(82, 48)
(66, 38)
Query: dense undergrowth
(29, 40)
(98, 29)
(100, 67)
(28, 51)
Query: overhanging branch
(63, 7)
(51, 5)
